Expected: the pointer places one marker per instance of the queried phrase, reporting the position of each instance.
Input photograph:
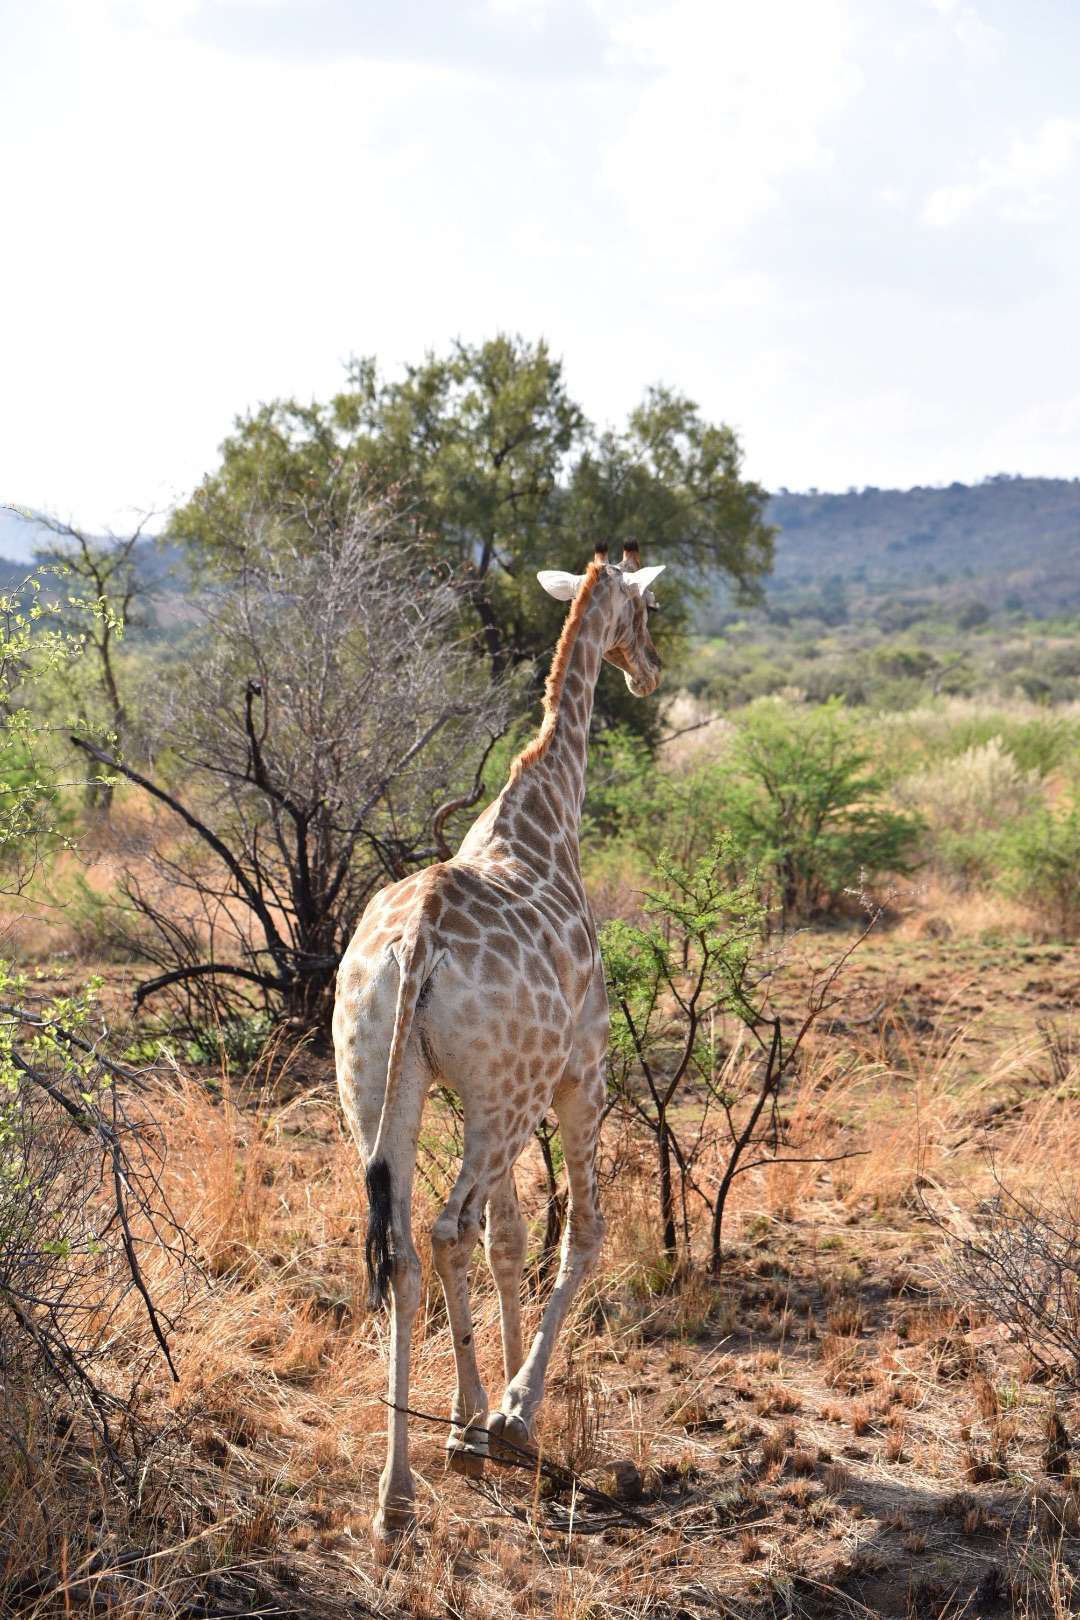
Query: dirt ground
(828, 1428)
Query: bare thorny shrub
(1020, 1263)
(83, 1215)
(1012, 1243)
(321, 730)
(82, 1208)
(705, 1048)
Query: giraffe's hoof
(463, 1461)
(392, 1522)
(511, 1430)
(466, 1450)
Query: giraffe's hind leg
(486, 1181)
(453, 1239)
(363, 1021)
(579, 1106)
(396, 1515)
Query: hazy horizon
(18, 534)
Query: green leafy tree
(101, 597)
(33, 647)
(674, 481)
(481, 441)
(505, 476)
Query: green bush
(792, 792)
(1042, 866)
(807, 809)
(236, 1042)
(642, 809)
(32, 648)
(32, 815)
(975, 856)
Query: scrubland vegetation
(827, 1362)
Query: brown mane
(538, 747)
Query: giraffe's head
(623, 602)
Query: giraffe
(483, 973)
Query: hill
(886, 597)
(18, 537)
(1011, 543)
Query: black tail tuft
(379, 1250)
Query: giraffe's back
(496, 1018)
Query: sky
(849, 228)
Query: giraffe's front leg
(453, 1238)
(579, 1108)
(506, 1240)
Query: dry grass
(822, 1428)
(938, 907)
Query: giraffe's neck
(536, 817)
(565, 756)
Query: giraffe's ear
(559, 584)
(643, 577)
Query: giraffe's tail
(379, 1246)
(413, 967)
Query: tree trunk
(789, 903)
(667, 1198)
(556, 1204)
(774, 1073)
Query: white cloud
(531, 11)
(1040, 437)
(979, 37)
(1031, 182)
(161, 14)
(741, 100)
(194, 234)
(165, 13)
